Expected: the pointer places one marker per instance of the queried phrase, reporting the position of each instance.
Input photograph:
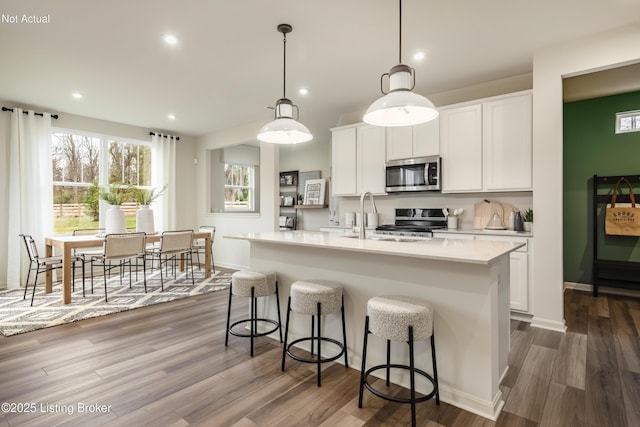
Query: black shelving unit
(608, 272)
(288, 200)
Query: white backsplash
(386, 205)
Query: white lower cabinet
(519, 277)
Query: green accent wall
(590, 147)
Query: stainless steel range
(415, 222)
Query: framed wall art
(314, 190)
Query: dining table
(68, 243)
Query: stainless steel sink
(392, 239)
(382, 238)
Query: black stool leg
(412, 378)
(254, 322)
(313, 328)
(388, 360)
(286, 333)
(364, 360)
(344, 337)
(319, 341)
(226, 338)
(278, 307)
(435, 370)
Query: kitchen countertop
(482, 232)
(465, 251)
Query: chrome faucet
(361, 232)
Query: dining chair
(172, 244)
(121, 249)
(199, 245)
(84, 255)
(43, 264)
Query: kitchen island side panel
(471, 303)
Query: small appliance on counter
(415, 222)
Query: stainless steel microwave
(415, 174)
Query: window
(239, 187)
(628, 121)
(82, 164)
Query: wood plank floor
(166, 365)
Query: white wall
(550, 65)
(229, 252)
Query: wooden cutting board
(482, 212)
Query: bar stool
(253, 284)
(315, 298)
(400, 318)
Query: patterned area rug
(17, 316)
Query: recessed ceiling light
(171, 117)
(303, 91)
(77, 95)
(419, 56)
(170, 39)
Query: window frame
(251, 187)
(103, 160)
(634, 115)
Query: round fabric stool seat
(253, 284)
(305, 296)
(315, 298)
(390, 317)
(404, 319)
(262, 282)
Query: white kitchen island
(467, 281)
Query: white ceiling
(227, 66)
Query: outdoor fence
(77, 210)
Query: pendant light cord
(400, 35)
(284, 66)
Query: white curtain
(30, 201)
(164, 174)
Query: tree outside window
(239, 187)
(78, 160)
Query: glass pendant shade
(400, 107)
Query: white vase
(144, 220)
(115, 220)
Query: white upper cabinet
(421, 140)
(506, 136)
(486, 146)
(343, 161)
(371, 160)
(357, 160)
(461, 148)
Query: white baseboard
(587, 287)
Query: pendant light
(285, 129)
(400, 106)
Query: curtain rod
(53, 116)
(164, 136)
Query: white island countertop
(466, 251)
